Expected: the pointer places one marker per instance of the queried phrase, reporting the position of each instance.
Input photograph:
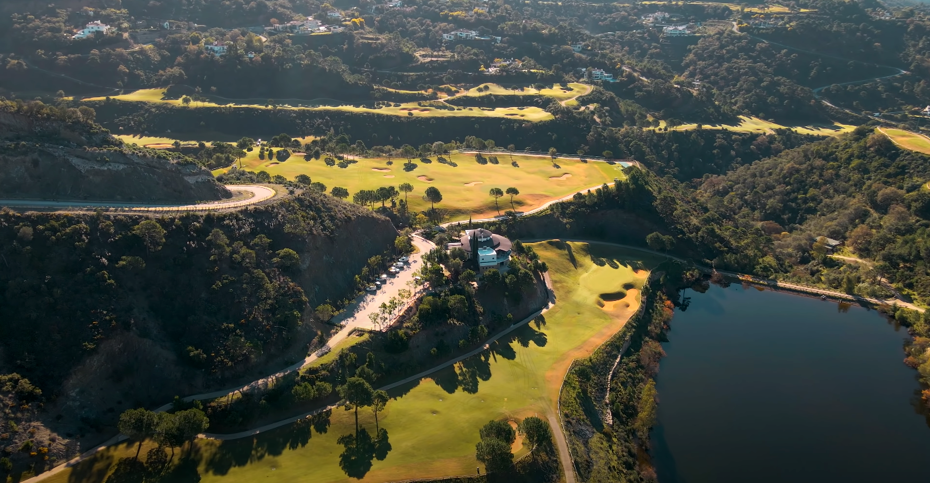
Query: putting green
(432, 424)
(464, 187)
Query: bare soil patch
(389, 176)
(564, 176)
(381, 170)
(474, 183)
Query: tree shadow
(128, 470)
(446, 378)
(359, 452)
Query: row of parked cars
(398, 266)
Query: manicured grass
(432, 424)
(754, 124)
(908, 140)
(406, 109)
(159, 142)
(556, 91)
(536, 178)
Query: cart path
(258, 194)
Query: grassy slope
(535, 178)
(909, 140)
(433, 431)
(754, 124)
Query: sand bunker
(425, 178)
(389, 176)
(564, 176)
(381, 170)
(474, 183)
(273, 164)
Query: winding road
(816, 91)
(258, 194)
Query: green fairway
(405, 109)
(908, 140)
(432, 424)
(464, 187)
(754, 124)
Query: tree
(287, 258)
(512, 192)
(357, 393)
(608, 154)
(433, 196)
(303, 179)
(408, 151)
(151, 233)
(511, 148)
(379, 400)
(405, 188)
(137, 425)
(659, 242)
(494, 448)
(245, 143)
(552, 153)
(186, 100)
(340, 192)
(646, 414)
(190, 423)
(536, 431)
(496, 193)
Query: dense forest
(206, 297)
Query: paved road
(816, 91)
(258, 194)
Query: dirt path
(258, 194)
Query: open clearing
(908, 140)
(432, 424)
(537, 179)
(754, 124)
(404, 109)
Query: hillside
(107, 313)
(60, 153)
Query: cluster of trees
(497, 437)
(166, 429)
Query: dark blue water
(771, 387)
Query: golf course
(908, 140)
(436, 108)
(464, 185)
(429, 428)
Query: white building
(334, 14)
(926, 111)
(492, 250)
(216, 48)
(599, 75)
(676, 31)
(656, 18)
(91, 28)
(465, 34)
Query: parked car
(371, 288)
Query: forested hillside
(136, 310)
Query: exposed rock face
(51, 172)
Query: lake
(765, 386)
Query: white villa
(926, 111)
(468, 35)
(91, 28)
(599, 75)
(334, 14)
(216, 48)
(656, 18)
(298, 26)
(676, 31)
(493, 251)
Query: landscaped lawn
(754, 124)
(464, 187)
(432, 425)
(909, 140)
(523, 113)
(556, 91)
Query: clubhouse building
(489, 249)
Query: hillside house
(926, 111)
(216, 48)
(91, 28)
(657, 18)
(577, 48)
(676, 31)
(332, 14)
(489, 249)
(598, 75)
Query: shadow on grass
(359, 452)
